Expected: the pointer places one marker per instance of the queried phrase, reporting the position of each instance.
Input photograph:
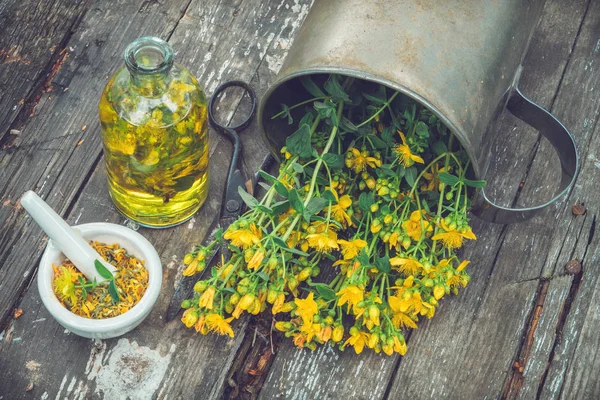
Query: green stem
(379, 111)
(299, 104)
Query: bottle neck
(149, 61)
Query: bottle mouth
(148, 55)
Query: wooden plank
(59, 145)
(441, 360)
(526, 251)
(187, 363)
(32, 42)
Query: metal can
(460, 59)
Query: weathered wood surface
(218, 40)
(523, 328)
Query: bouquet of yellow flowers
(372, 185)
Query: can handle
(562, 141)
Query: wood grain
(218, 41)
(32, 44)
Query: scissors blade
(185, 287)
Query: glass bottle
(154, 129)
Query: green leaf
(308, 119)
(83, 293)
(297, 167)
(315, 205)
(296, 201)
(102, 270)
(264, 276)
(265, 186)
(422, 130)
(475, 184)
(439, 148)
(411, 176)
(114, 293)
(286, 113)
(311, 87)
(335, 89)
(347, 125)
(295, 251)
(374, 99)
(281, 189)
(267, 177)
(280, 207)
(247, 197)
(324, 109)
(264, 209)
(325, 291)
(298, 143)
(378, 143)
(387, 135)
(383, 263)
(448, 179)
(329, 196)
(365, 201)
(228, 290)
(280, 243)
(81, 280)
(333, 161)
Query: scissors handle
(232, 204)
(211, 117)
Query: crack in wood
(43, 84)
(564, 313)
(514, 384)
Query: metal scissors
(232, 205)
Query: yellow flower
(338, 211)
(452, 238)
(351, 248)
(206, 300)
(433, 179)
(323, 242)
(191, 269)
(219, 325)
(338, 333)
(399, 346)
(350, 294)
(400, 319)
(393, 240)
(413, 225)
(243, 238)
(462, 265)
(359, 161)
(64, 284)
(256, 260)
(358, 340)
(278, 304)
(438, 292)
(200, 325)
(408, 266)
(189, 317)
(405, 155)
(306, 308)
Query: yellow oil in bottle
(155, 136)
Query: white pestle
(73, 246)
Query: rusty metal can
(461, 59)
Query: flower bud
(200, 286)
(271, 296)
(190, 317)
(246, 301)
(370, 183)
(188, 259)
(186, 304)
(234, 299)
(304, 274)
(374, 207)
(287, 307)
(338, 333)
